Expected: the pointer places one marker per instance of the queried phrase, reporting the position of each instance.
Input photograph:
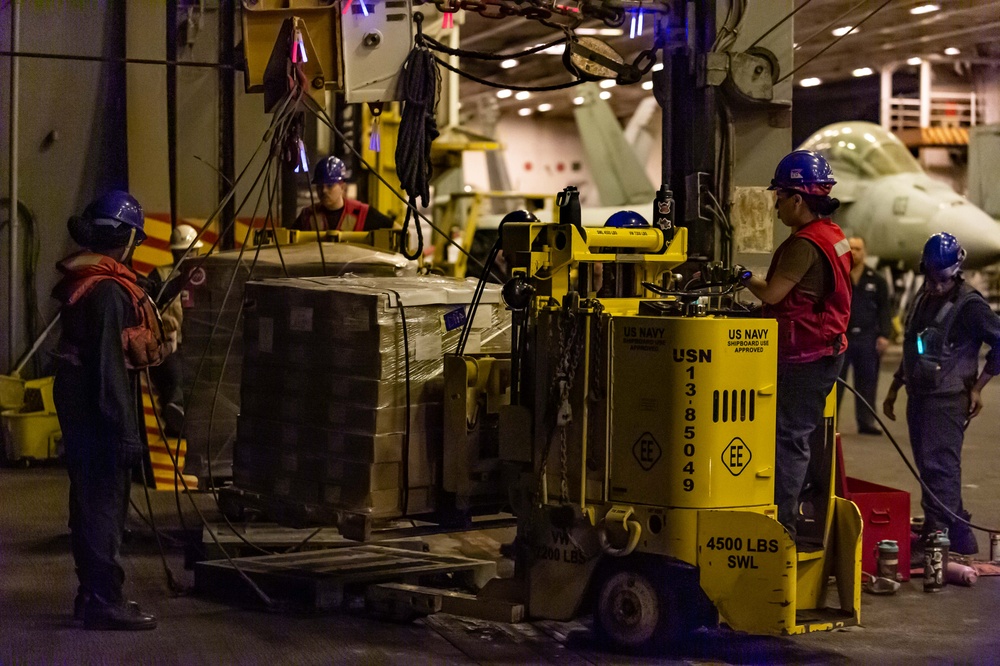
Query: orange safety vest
(145, 344)
(810, 328)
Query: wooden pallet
(323, 579)
(236, 503)
(277, 539)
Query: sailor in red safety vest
(110, 331)
(808, 290)
(333, 210)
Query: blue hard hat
(117, 206)
(803, 171)
(329, 170)
(519, 215)
(626, 219)
(943, 256)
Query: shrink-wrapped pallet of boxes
(213, 340)
(328, 384)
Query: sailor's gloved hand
(740, 274)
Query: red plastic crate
(885, 513)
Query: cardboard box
(216, 287)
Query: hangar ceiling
(957, 31)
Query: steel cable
(910, 466)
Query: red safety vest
(352, 218)
(144, 344)
(811, 328)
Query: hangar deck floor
(37, 585)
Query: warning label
(644, 338)
(736, 456)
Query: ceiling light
(524, 112)
(810, 82)
(523, 95)
(924, 9)
(951, 50)
(508, 63)
(607, 83)
(647, 85)
(913, 61)
(658, 66)
(578, 101)
(604, 32)
(605, 94)
(863, 71)
(843, 30)
(557, 50)
(542, 108)
(504, 94)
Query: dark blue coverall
(870, 320)
(937, 413)
(97, 403)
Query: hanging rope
(419, 84)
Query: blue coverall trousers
(937, 430)
(802, 392)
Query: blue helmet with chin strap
(116, 208)
(943, 256)
(329, 170)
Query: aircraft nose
(978, 233)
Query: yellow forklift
(637, 440)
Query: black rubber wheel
(637, 610)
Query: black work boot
(123, 616)
(173, 419)
(963, 539)
(80, 605)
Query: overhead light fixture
(843, 30)
(542, 108)
(647, 85)
(577, 101)
(863, 71)
(523, 95)
(924, 9)
(914, 61)
(605, 94)
(810, 82)
(556, 50)
(508, 63)
(607, 83)
(951, 50)
(504, 94)
(524, 112)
